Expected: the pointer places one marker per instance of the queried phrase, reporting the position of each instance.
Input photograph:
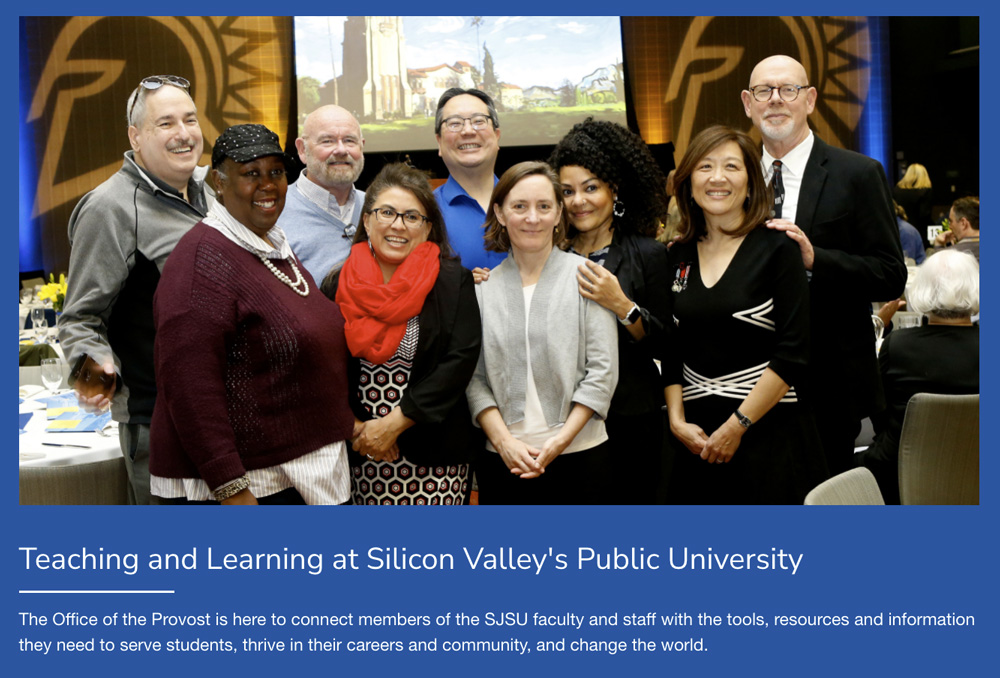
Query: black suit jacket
(640, 264)
(845, 208)
(447, 353)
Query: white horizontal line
(93, 591)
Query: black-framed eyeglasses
(456, 123)
(155, 82)
(387, 216)
(787, 93)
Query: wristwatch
(633, 315)
(743, 419)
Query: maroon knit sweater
(249, 374)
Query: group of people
(313, 343)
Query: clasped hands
(375, 439)
(526, 461)
(718, 448)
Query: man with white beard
(323, 208)
(836, 205)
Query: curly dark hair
(619, 158)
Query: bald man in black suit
(837, 206)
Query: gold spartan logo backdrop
(685, 73)
(83, 69)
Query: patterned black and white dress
(723, 338)
(400, 482)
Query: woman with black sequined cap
(251, 360)
(614, 197)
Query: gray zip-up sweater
(121, 234)
(574, 344)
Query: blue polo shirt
(465, 219)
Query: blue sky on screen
(527, 50)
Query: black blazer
(845, 209)
(447, 353)
(640, 264)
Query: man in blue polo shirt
(468, 136)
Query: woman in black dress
(738, 347)
(614, 197)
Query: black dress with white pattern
(400, 482)
(723, 338)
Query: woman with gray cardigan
(549, 362)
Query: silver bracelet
(231, 489)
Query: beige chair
(939, 450)
(856, 487)
(101, 482)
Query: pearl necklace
(299, 280)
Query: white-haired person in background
(941, 356)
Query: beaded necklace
(299, 280)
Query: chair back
(100, 482)
(939, 450)
(856, 487)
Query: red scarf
(376, 313)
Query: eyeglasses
(155, 82)
(387, 216)
(456, 123)
(786, 92)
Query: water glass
(39, 323)
(52, 373)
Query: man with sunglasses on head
(468, 136)
(837, 206)
(121, 234)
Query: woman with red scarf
(413, 329)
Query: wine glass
(40, 323)
(52, 373)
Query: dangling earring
(746, 201)
(619, 207)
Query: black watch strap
(743, 419)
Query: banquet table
(64, 449)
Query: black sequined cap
(244, 143)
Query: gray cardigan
(574, 344)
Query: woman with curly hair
(614, 196)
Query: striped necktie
(779, 189)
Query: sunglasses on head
(155, 82)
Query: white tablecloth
(31, 451)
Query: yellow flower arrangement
(54, 291)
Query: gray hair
(135, 113)
(450, 94)
(946, 286)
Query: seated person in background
(939, 357)
(963, 219)
(914, 194)
(909, 237)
